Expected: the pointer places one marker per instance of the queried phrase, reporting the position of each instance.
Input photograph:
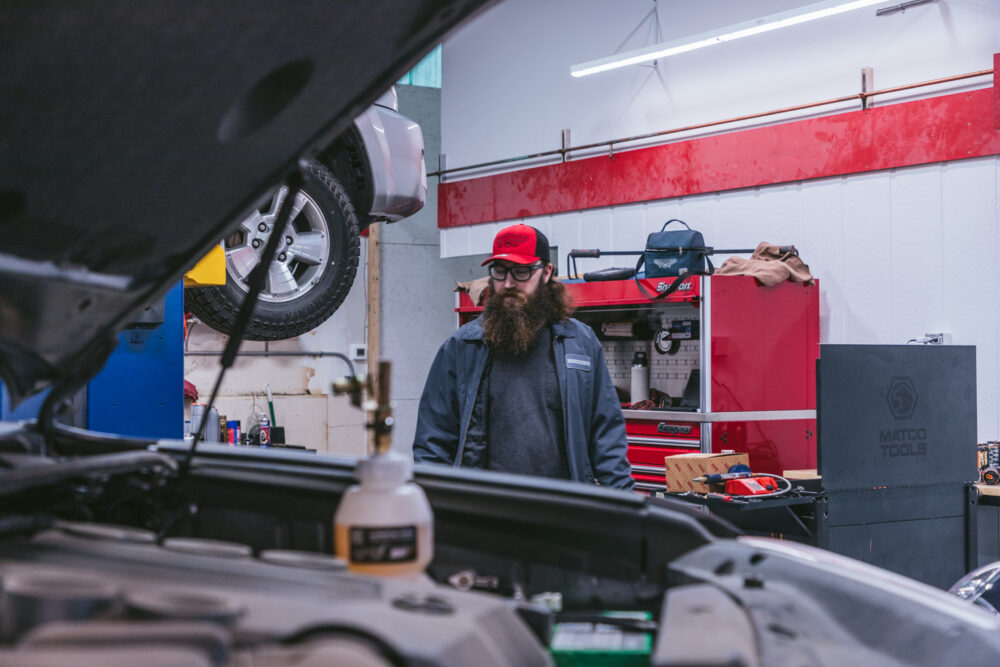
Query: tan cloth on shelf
(768, 265)
(474, 288)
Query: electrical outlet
(359, 352)
(938, 338)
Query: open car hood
(134, 136)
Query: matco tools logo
(902, 401)
(902, 397)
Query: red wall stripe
(948, 127)
(996, 91)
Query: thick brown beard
(511, 328)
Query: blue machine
(140, 391)
(26, 410)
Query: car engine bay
(116, 558)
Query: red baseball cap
(520, 244)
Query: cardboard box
(809, 473)
(682, 468)
(809, 479)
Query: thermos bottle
(640, 378)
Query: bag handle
(673, 220)
(677, 281)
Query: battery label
(385, 544)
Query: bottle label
(385, 544)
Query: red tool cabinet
(754, 349)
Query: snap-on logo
(901, 397)
(675, 429)
(683, 287)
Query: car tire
(311, 274)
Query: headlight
(980, 587)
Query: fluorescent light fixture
(792, 17)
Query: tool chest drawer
(651, 428)
(647, 464)
(645, 455)
(647, 482)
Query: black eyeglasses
(520, 273)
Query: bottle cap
(388, 468)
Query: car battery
(580, 644)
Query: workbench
(798, 518)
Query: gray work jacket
(451, 422)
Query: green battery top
(578, 644)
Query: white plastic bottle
(384, 526)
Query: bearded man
(524, 387)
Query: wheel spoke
(243, 259)
(280, 280)
(249, 223)
(279, 197)
(308, 247)
(300, 203)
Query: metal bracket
(901, 7)
(867, 85)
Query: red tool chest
(751, 349)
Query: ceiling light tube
(792, 17)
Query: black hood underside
(134, 135)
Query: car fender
(394, 145)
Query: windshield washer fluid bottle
(384, 525)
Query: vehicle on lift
(373, 172)
(116, 175)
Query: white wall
(507, 90)
(899, 253)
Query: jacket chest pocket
(579, 362)
(579, 376)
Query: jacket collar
(564, 329)
(474, 330)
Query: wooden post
(373, 315)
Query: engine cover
(87, 594)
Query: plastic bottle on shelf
(640, 378)
(384, 525)
(197, 413)
(211, 432)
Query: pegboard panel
(667, 372)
